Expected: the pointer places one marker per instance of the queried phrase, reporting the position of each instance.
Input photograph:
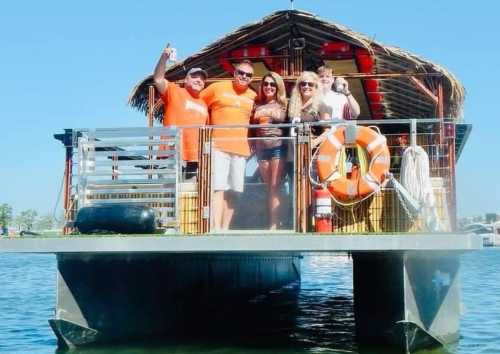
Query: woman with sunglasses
(305, 100)
(271, 109)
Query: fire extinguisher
(323, 212)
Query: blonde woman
(271, 109)
(305, 100)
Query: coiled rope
(415, 178)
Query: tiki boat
(405, 249)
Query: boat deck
(241, 242)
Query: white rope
(415, 178)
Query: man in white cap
(183, 107)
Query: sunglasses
(269, 83)
(244, 73)
(307, 83)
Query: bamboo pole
(296, 74)
(151, 107)
(68, 174)
(301, 190)
(297, 190)
(208, 179)
(451, 164)
(204, 180)
(423, 89)
(307, 182)
(303, 187)
(200, 176)
(284, 62)
(440, 97)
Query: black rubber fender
(116, 218)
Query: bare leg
(218, 210)
(229, 202)
(276, 174)
(264, 171)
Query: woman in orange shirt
(271, 109)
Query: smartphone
(339, 86)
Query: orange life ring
(328, 157)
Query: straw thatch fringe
(307, 24)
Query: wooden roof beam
(347, 76)
(422, 88)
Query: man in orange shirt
(230, 103)
(183, 107)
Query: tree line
(28, 220)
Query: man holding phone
(183, 107)
(337, 104)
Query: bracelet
(348, 93)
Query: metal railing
(144, 166)
(129, 165)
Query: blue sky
(68, 64)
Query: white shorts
(228, 171)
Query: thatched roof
(401, 98)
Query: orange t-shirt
(228, 106)
(180, 109)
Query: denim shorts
(277, 152)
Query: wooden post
(151, 112)
(293, 74)
(68, 174)
(440, 105)
(284, 63)
(452, 160)
(447, 139)
(297, 181)
(419, 85)
(201, 175)
(302, 184)
(204, 180)
(151, 105)
(307, 182)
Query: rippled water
(315, 317)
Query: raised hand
(341, 85)
(167, 52)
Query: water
(316, 317)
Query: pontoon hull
(124, 297)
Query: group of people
(232, 106)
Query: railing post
(68, 175)
(440, 105)
(302, 183)
(413, 132)
(204, 180)
(450, 139)
(151, 112)
(151, 105)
